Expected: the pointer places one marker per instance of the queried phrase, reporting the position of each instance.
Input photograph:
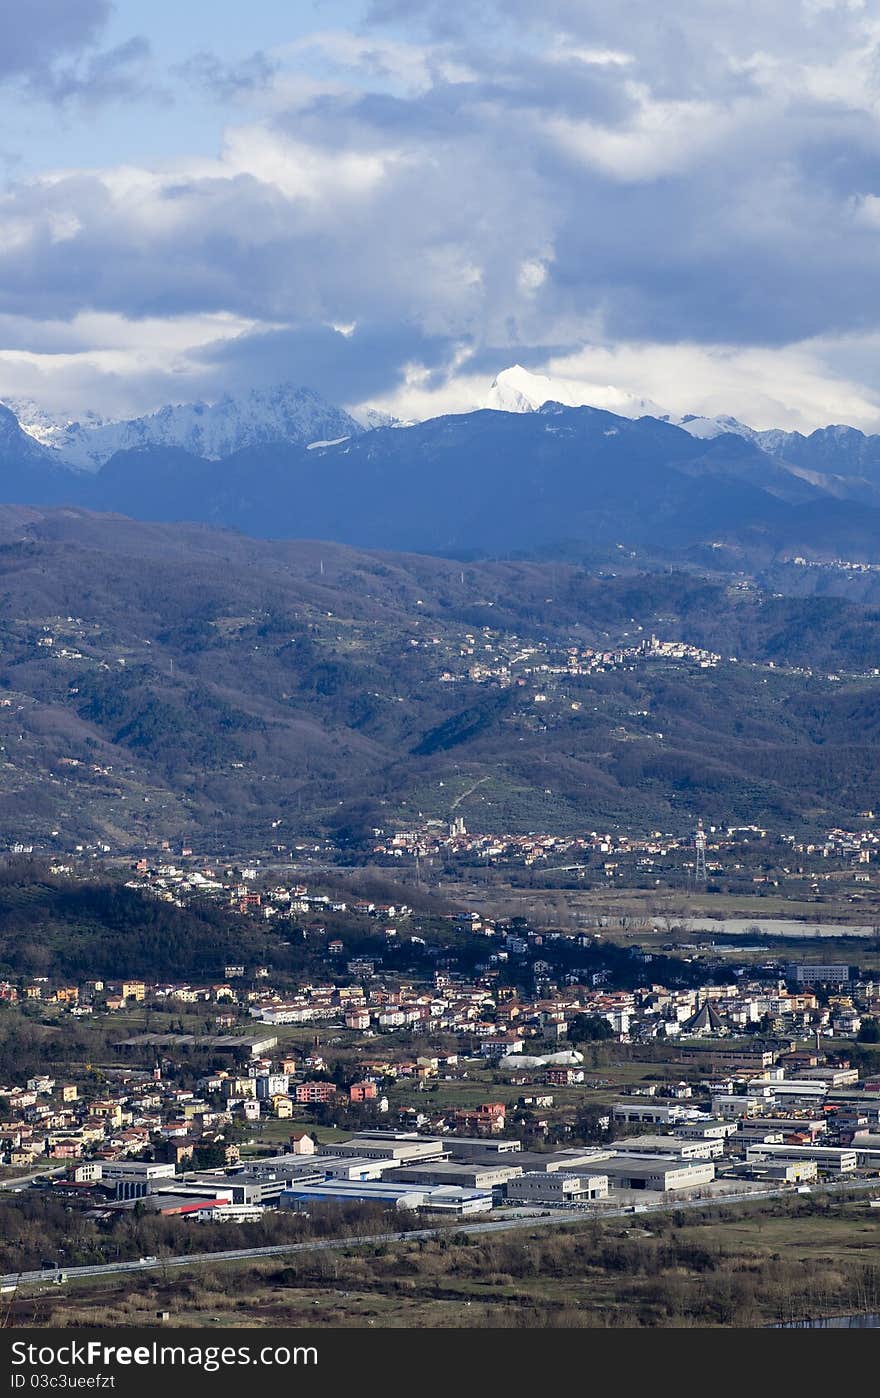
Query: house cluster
(840, 565)
(498, 1020)
(858, 846)
(765, 1118)
(787, 1006)
(133, 1113)
(76, 998)
(491, 1018)
(245, 890)
(504, 660)
(739, 1111)
(435, 837)
(47, 1121)
(746, 853)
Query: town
(502, 1071)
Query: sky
(390, 201)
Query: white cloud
(413, 67)
(107, 361)
(662, 138)
(799, 387)
(695, 198)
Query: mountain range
(208, 430)
(533, 473)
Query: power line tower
(700, 848)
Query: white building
(556, 1187)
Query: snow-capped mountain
(376, 417)
(46, 428)
(709, 427)
(209, 430)
(18, 445)
(293, 416)
(518, 390)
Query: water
(778, 927)
(833, 1322)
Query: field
(761, 1265)
(660, 918)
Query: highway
(497, 1225)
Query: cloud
(353, 363)
(50, 50)
(472, 184)
(227, 82)
(124, 366)
(798, 387)
(121, 71)
(38, 32)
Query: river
(833, 1322)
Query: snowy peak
(709, 427)
(210, 430)
(44, 427)
(518, 390)
(17, 444)
(371, 418)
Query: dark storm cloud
(351, 367)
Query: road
(21, 1181)
(497, 1225)
(469, 792)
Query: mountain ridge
(295, 414)
(176, 681)
(559, 480)
(213, 431)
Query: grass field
(277, 1133)
(658, 906)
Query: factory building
(812, 1126)
(838, 1160)
(481, 1147)
(467, 1174)
(658, 1173)
(709, 1149)
(403, 1149)
(356, 1167)
(713, 1128)
(133, 1178)
(637, 1109)
(783, 1171)
(556, 1187)
(446, 1199)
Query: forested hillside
(179, 682)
